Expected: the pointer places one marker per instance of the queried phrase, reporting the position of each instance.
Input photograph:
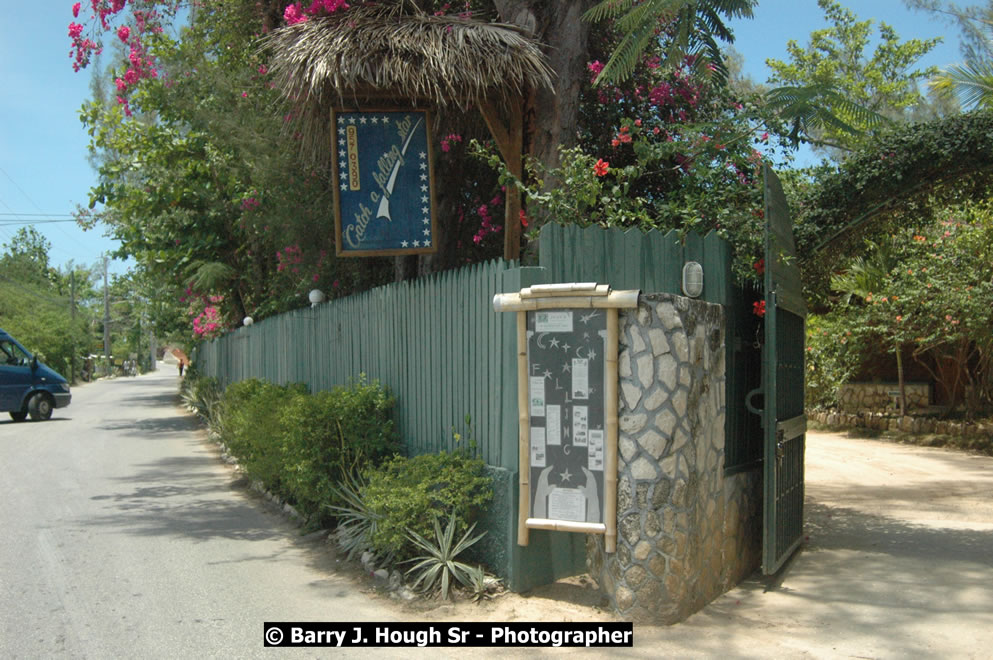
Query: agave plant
(356, 521)
(438, 567)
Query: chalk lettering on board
(580, 425)
(538, 446)
(558, 321)
(553, 424)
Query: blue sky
(43, 166)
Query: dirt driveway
(898, 563)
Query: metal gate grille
(783, 419)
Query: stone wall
(881, 396)
(686, 531)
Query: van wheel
(18, 415)
(40, 407)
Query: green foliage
(304, 446)
(906, 173)
(202, 396)
(356, 521)
(930, 288)
(833, 356)
(252, 428)
(861, 86)
(406, 493)
(438, 568)
(329, 435)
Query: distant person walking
(181, 366)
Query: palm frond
(971, 82)
(208, 275)
(813, 107)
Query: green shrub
(252, 427)
(331, 434)
(833, 355)
(410, 493)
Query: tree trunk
(899, 378)
(552, 124)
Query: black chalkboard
(566, 350)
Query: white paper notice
(553, 424)
(580, 425)
(580, 378)
(553, 321)
(567, 504)
(538, 446)
(595, 450)
(537, 396)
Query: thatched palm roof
(388, 52)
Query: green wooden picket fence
(439, 346)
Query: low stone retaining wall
(881, 396)
(686, 532)
(906, 424)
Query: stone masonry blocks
(686, 531)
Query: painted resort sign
(384, 201)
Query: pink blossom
(293, 14)
(75, 10)
(123, 33)
(75, 29)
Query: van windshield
(12, 354)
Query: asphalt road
(122, 534)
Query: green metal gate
(783, 419)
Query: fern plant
(438, 568)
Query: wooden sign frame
(576, 298)
(383, 182)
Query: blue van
(27, 386)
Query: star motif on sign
(586, 335)
(554, 343)
(341, 142)
(404, 244)
(424, 188)
(424, 177)
(423, 155)
(385, 120)
(566, 347)
(344, 187)
(547, 374)
(417, 244)
(362, 120)
(375, 120)
(342, 164)
(424, 166)
(424, 200)
(351, 120)
(567, 368)
(426, 221)
(424, 209)
(341, 131)
(566, 476)
(427, 232)
(341, 120)
(592, 355)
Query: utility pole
(72, 331)
(106, 316)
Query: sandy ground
(897, 563)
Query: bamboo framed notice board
(567, 336)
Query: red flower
(759, 266)
(601, 167)
(758, 308)
(524, 218)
